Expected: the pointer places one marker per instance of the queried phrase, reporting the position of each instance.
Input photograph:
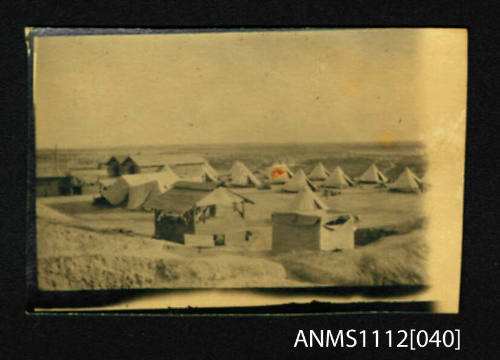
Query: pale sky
(282, 86)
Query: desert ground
(82, 245)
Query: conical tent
(242, 176)
(319, 172)
(211, 173)
(298, 182)
(338, 179)
(306, 201)
(279, 173)
(373, 175)
(407, 182)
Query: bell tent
(338, 179)
(241, 176)
(298, 182)
(319, 172)
(279, 173)
(373, 175)
(407, 182)
(307, 201)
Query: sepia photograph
(227, 166)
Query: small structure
(279, 173)
(136, 189)
(188, 167)
(408, 182)
(310, 231)
(191, 167)
(113, 165)
(308, 225)
(319, 172)
(338, 179)
(298, 182)
(140, 164)
(373, 175)
(241, 176)
(86, 181)
(190, 210)
(52, 181)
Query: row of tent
(279, 173)
(134, 190)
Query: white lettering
(349, 336)
(300, 338)
(334, 341)
(319, 340)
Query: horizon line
(396, 142)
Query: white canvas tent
(338, 179)
(191, 167)
(373, 175)
(137, 188)
(407, 182)
(241, 176)
(279, 173)
(307, 201)
(298, 182)
(319, 172)
(296, 231)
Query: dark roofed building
(114, 163)
(141, 164)
(199, 210)
(52, 181)
(189, 167)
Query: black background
(145, 337)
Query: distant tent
(210, 173)
(137, 188)
(373, 175)
(279, 173)
(338, 179)
(242, 176)
(407, 182)
(319, 172)
(298, 182)
(307, 201)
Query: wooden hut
(52, 181)
(191, 211)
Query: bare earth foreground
(84, 246)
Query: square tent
(320, 231)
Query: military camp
(217, 213)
